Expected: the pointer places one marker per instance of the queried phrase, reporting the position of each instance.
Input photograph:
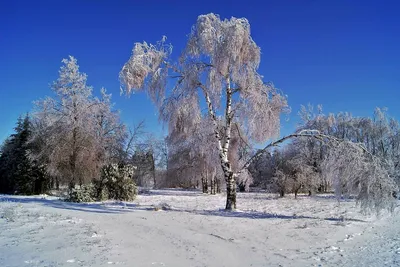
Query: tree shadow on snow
(173, 192)
(333, 197)
(263, 215)
(107, 207)
(118, 207)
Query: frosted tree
(360, 158)
(153, 154)
(379, 134)
(288, 169)
(110, 132)
(74, 133)
(261, 170)
(354, 171)
(218, 67)
(202, 143)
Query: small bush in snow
(84, 194)
(115, 183)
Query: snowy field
(186, 228)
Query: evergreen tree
(18, 173)
(5, 166)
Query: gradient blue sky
(341, 54)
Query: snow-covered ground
(186, 228)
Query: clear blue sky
(341, 54)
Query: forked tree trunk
(230, 191)
(223, 147)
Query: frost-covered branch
(304, 133)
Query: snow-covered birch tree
(218, 67)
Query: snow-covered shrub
(86, 193)
(101, 192)
(116, 183)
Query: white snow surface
(187, 228)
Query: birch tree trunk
(224, 149)
(230, 191)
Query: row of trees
(306, 164)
